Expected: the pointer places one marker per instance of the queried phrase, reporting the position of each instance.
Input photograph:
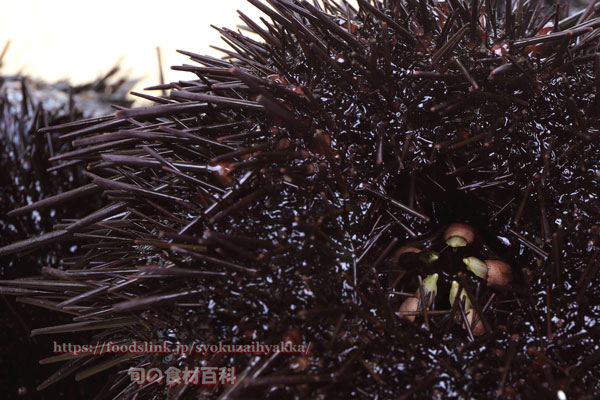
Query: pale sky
(82, 39)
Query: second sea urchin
(265, 201)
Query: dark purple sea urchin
(26, 176)
(264, 201)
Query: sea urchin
(264, 201)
